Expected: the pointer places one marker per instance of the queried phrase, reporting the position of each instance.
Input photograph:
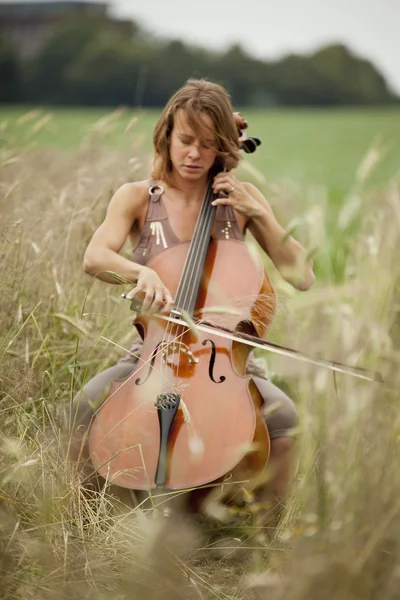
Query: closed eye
(206, 144)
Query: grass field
(332, 179)
(306, 146)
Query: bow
(181, 319)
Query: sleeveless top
(157, 234)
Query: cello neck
(190, 280)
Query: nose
(194, 151)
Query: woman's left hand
(233, 193)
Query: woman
(196, 129)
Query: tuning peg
(250, 144)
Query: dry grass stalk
(340, 533)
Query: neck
(190, 192)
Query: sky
(270, 29)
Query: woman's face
(192, 155)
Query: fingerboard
(190, 280)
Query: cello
(188, 416)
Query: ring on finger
(232, 189)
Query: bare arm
(289, 257)
(287, 254)
(102, 253)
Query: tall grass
(340, 533)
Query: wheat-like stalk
(339, 536)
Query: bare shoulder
(246, 222)
(254, 191)
(131, 198)
(259, 197)
(124, 213)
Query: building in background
(27, 25)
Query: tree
(103, 73)
(47, 73)
(95, 60)
(171, 64)
(10, 89)
(356, 81)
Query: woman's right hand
(152, 293)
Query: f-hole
(212, 362)
(152, 360)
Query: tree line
(96, 61)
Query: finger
(148, 300)
(224, 189)
(224, 194)
(158, 301)
(225, 201)
(169, 302)
(168, 297)
(166, 310)
(226, 184)
(133, 293)
(224, 178)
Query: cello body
(219, 428)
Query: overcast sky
(271, 28)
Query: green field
(307, 146)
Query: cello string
(188, 276)
(209, 216)
(201, 224)
(185, 281)
(192, 271)
(170, 335)
(193, 265)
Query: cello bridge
(171, 349)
